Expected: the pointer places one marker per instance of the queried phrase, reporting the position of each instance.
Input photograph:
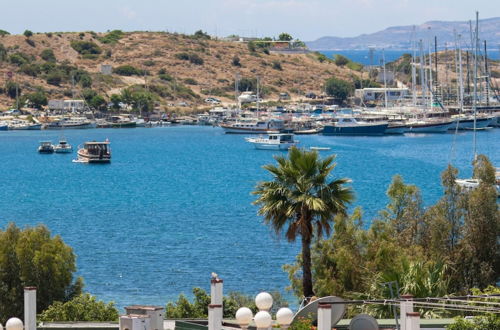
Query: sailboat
(472, 183)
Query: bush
(149, 63)
(3, 52)
(36, 100)
(30, 42)
(236, 61)
(3, 33)
(85, 47)
(128, 70)
(81, 308)
(251, 46)
(28, 33)
(30, 69)
(277, 65)
(338, 88)
(19, 59)
(190, 81)
(112, 37)
(166, 77)
(191, 57)
(201, 35)
(49, 34)
(33, 257)
(48, 55)
(341, 60)
(11, 89)
(54, 78)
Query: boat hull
(246, 130)
(429, 127)
(271, 146)
(4, 127)
(481, 123)
(396, 129)
(378, 129)
(63, 150)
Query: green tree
(36, 99)
(302, 201)
(338, 88)
(98, 102)
(12, 89)
(116, 100)
(48, 55)
(201, 35)
(33, 257)
(28, 33)
(86, 47)
(341, 60)
(84, 307)
(285, 37)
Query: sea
(175, 204)
(377, 55)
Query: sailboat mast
(413, 69)
(460, 77)
(474, 105)
(486, 75)
(422, 75)
(431, 94)
(385, 78)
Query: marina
(127, 221)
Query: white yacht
(71, 123)
(63, 147)
(273, 142)
(253, 126)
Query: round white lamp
(284, 317)
(264, 301)
(14, 324)
(263, 320)
(243, 317)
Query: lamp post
(263, 319)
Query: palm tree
(301, 201)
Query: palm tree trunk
(307, 287)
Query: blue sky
(305, 19)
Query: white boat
(467, 122)
(46, 147)
(348, 125)
(429, 126)
(247, 97)
(63, 147)
(24, 125)
(71, 123)
(253, 126)
(95, 152)
(273, 142)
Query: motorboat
(349, 125)
(253, 126)
(4, 126)
(429, 126)
(63, 147)
(467, 122)
(46, 147)
(94, 152)
(71, 123)
(280, 141)
(24, 125)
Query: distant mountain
(400, 37)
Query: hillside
(171, 67)
(399, 37)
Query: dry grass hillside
(171, 74)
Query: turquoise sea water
(175, 203)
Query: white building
(67, 105)
(106, 69)
(377, 94)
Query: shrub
(128, 70)
(149, 63)
(112, 37)
(81, 308)
(3, 53)
(201, 35)
(30, 42)
(190, 81)
(196, 59)
(90, 56)
(166, 77)
(85, 47)
(28, 33)
(49, 34)
(236, 61)
(182, 56)
(11, 89)
(251, 46)
(277, 65)
(54, 78)
(30, 69)
(341, 60)
(48, 55)
(19, 59)
(3, 33)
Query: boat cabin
(97, 148)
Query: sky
(303, 19)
